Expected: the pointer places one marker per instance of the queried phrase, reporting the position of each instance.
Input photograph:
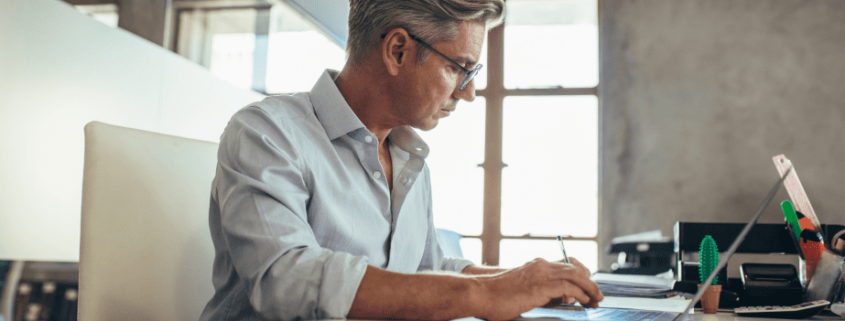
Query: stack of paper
(650, 236)
(627, 285)
(676, 304)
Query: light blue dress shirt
(300, 206)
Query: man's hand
(535, 284)
(578, 265)
(570, 300)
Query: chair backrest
(146, 251)
(450, 242)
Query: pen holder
(802, 273)
(827, 281)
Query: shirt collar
(338, 119)
(407, 139)
(331, 108)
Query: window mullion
(494, 95)
(259, 54)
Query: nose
(467, 94)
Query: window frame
(495, 94)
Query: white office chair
(450, 242)
(146, 251)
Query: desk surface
(827, 315)
(721, 316)
(623, 314)
(725, 316)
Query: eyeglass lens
(469, 76)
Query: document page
(597, 314)
(675, 304)
(639, 281)
(627, 285)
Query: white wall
(59, 70)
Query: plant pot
(710, 298)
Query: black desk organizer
(762, 239)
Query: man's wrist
(477, 296)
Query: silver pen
(563, 249)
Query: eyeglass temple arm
(434, 50)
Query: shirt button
(377, 175)
(407, 180)
(368, 139)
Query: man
(321, 205)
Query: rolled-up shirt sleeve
(433, 257)
(262, 194)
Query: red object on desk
(812, 247)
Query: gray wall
(698, 95)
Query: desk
(721, 316)
(544, 315)
(726, 316)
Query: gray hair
(433, 21)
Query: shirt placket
(406, 179)
(368, 156)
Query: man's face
(433, 87)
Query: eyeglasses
(469, 74)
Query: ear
(395, 50)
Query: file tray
(763, 238)
(771, 280)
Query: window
(549, 187)
(298, 53)
(540, 141)
(457, 182)
(223, 40)
(551, 43)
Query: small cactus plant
(708, 256)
